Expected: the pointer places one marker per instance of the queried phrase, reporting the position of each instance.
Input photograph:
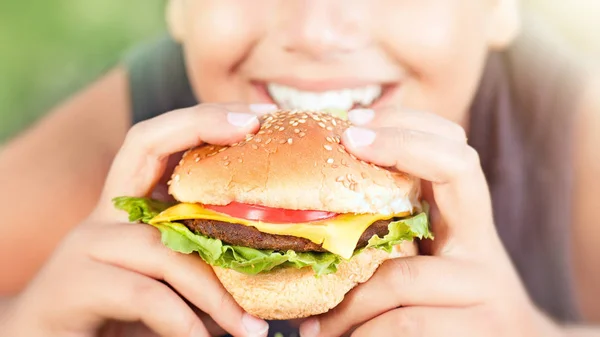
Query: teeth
(290, 98)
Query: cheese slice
(338, 235)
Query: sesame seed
(269, 131)
(281, 128)
(169, 182)
(352, 156)
(327, 147)
(226, 157)
(330, 161)
(176, 178)
(290, 140)
(329, 128)
(197, 159)
(340, 179)
(240, 160)
(353, 186)
(226, 163)
(181, 162)
(334, 122)
(302, 121)
(295, 124)
(283, 141)
(258, 140)
(222, 149)
(329, 139)
(341, 150)
(254, 146)
(301, 134)
(321, 124)
(349, 176)
(235, 144)
(346, 184)
(211, 154)
(296, 130)
(261, 132)
(268, 141)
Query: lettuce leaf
(252, 261)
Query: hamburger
(287, 218)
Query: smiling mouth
(346, 99)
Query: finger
(407, 119)
(453, 167)
(424, 321)
(142, 159)
(133, 297)
(138, 247)
(410, 281)
(213, 328)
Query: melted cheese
(338, 235)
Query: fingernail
(241, 119)
(361, 116)
(254, 326)
(360, 137)
(262, 109)
(310, 328)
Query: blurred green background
(51, 48)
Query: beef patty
(247, 236)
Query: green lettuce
(248, 260)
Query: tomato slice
(268, 214)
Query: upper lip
(324, 84)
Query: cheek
(441, 44)
(219, 34)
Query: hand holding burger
(114, 278)
(465, 285)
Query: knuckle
(402, 272)
(467, 164)
(137, 131)
(457, 132)
(490, 317)
(407, 323)
(225, 302)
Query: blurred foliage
(49, 49)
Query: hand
(465, 285)
(110, 270)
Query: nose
(321, 29)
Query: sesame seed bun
(290, 293)
(295, 162)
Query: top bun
(295, 161)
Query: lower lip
(387, 92)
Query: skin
(231, 44)
(103, 250)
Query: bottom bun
(290, 293)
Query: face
(317, 54)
